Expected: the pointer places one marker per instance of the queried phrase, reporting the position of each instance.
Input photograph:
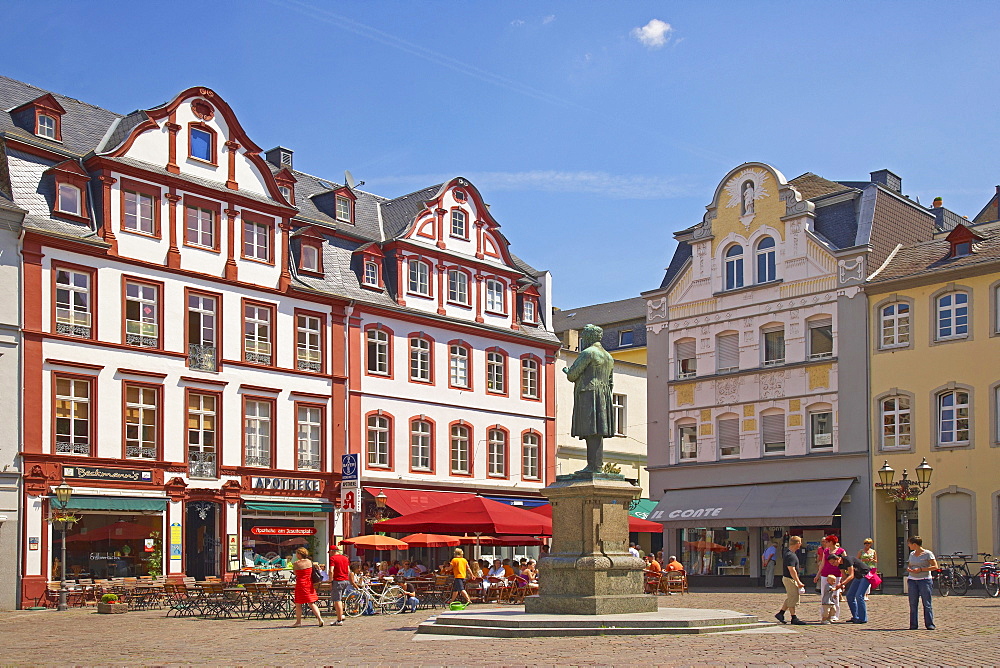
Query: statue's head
(590, 335)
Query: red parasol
(635, 524)
(431, 540)
(476, 515)
(375, 542)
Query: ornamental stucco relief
(727, 390)
(772, 385)
(656, 309)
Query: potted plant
(110, 605)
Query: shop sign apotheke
(286, 484)
(95, 473)
(284, 531)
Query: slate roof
(932, 257)
(811, 186)
(205, 183)
(83, 125)
(307, 187)
(633, 308)
(398, 213)
(946, 219)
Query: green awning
(643, 508)
(137, 504)
(288, 507)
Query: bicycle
(390, 601)
(989, 575)
(955, 577)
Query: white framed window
(139, 212)
(729, 437)
(420, 445)
(309, 426)
(625, 337)
(896, 423)
(459, 449)
(766, 269)
(73, 316)
(201, 429)
(343, 209)
(420, 359)
(378, 351)
(458, 287)
(774, 346)
(201, 332)
(734, 267)
(727, 350)
(529, 378)
(619, 405)
(200, 228)
(687, 441)
(496, 446)
(820, 339)
(142, 315)
(954, 414)
(68, 199)
(459, 226)
(286, 192)
(529, 311)
(458, 365)
(72, 412)
(256, 241)
(687, 358)
(308, 343)
(310, 258)
(371, 273)
(953, 315)
(821, 430)
(496, 372)
(420, 273)
(46, 126)
(378, 441)
(529, 456)
(772, 429)
(495, 301)
(257, 433)
(141, 427)
(895, 325)
(257, 334)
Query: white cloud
(615, 186)
(517, 23)
(654, 34)
(548, 19)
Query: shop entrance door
(202, 542)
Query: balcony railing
(201, 464)
(141, 334)
(72, 323)
(258, 460)
(201, 358)
(140, 452)
(309, 462)
(64, 447)
(308, 360)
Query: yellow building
(935, 371)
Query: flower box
(111, 608)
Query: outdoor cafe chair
(652, 581)
(675, 582)
(181, 602)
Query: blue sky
(593, 129)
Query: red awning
(406, 501)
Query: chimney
(280, 156)
(886, 178)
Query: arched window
(896, 423)
(772, 431)
(729, 435)
(458, 286)
(954, 412)
(420, 359)
(953, 315)
(69, 199)
(420, 445)
(529, 378)
(378, 351)
(687, 440)
(458, 227)
(766, 270)
(529, 456)
(685, 352)
(894, 322)
(46, 126)
(458, 365)
(496, 372)
(734, 267)
(378, 441)
(420, 273)
(820, 427)
(496, 451)
(460, 449)
(495, 296)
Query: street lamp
(380, 504)
(63, 493)
(905, 491)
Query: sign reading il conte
(286, 484)
(284, 531)
(689, 512)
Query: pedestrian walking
(854, 583)
(826, 603)
(868, 555)
(919, 566)
(460, 570)
(829, 545)
(340, 576)
(768, 560)
(790, 579)
(305, 592)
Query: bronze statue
(593, 414)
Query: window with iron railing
(142, 327)
(201, 430)
(72, 412)
(73, 316)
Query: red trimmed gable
(961, 239)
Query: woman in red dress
(304, 590)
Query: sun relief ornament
(744, 190)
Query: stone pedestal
(590, 571)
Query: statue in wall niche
(748, 197)
(593, 414)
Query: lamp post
(905, 491)
(63, 494)
(380, 504)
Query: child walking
(829, 601)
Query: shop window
(496, 448)
(378, 441)
(687, 440)
(734, 267)
(110, 545)
(766, 270)
(896, 423)
(308, 343)
(820, 339)
(142, 315)
(895, 325)
(620, 408)
(954, 413)
(727, 350)
(309, 429)
(420, 445)
(529, 378)
(460, 449)
(378, 351)
(419, 282)
(687, 358)
(529, 456)
(73, 417)
(496, 372)
(257, 428)
(458, 287)
(729, 437)
(201, 435)
(257, 332)
(773, 432)
(73, 302)
(420, 359)
(141, 422)
(953, 315)
(821, 430)
(774, 346)
(458, 366)
(202, 323)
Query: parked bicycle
(989, 575)
(390, 601)
(954, 576)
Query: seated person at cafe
(383, 570)
(475, 572)
(508, 569)
(408, 570)
(395, 568)
(526, 579)
(674, 565)
(419, 567)
(652, 565)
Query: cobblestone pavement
(968, 634)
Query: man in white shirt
(767, 562)
(633, 551)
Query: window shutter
(823, 322)
(773, 427)
(686, 350)
(729, 433)
(728, 351)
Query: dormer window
(343, 209)
(310, 258)
(68, 199)
(962, 249)
(46, 126)
(371, 273)
(529, 310)
(286, 192)
(962, 239)
(201, 144)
